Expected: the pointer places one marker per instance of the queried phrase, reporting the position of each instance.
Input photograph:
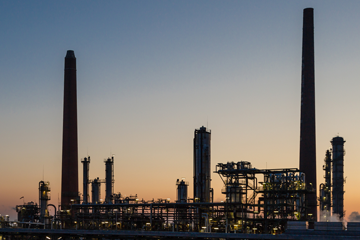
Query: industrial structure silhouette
(258, 202)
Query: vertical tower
(182, 191)
(69, 178)
(86, 166)
(96, 191)
(109, 179)
(181, 197)
(325, 190)
(338, 175)
(202, 162)
(307, 123)
(44, 197)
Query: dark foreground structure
(256, 201)
(52, 234)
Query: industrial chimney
(307, 123)
(69, 177)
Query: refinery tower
(202, 165)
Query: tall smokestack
(307, 128)
(69, 178)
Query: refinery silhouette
(259, 203)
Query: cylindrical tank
(96, 187)
(338, 175)
(86, 167)
(202, 163)
(182, 191)
(109, 179)
(44, 197)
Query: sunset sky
(151, 72)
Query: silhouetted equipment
(267, 204)
(202, 164)
(86, 168)
(44, 197)
(96, 183)
(333, 188)
(29, 212)
(182, 191)
(69, 177)
(338, 175)
(109, 179)
(307, 123)
(325, 190)
(96, 190)
(182, 219)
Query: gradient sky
(150, 72)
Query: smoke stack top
(308, 20)
(70, 54)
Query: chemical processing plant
(259, 203)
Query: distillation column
(86, 167)
(307, 122)
(338, 176)
(325, 189)
(182, 196)
(44, 197)
(182, 191)
(202, 165)
(96, 191)
(69, 177)
(109, 179)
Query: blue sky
(150, 72)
